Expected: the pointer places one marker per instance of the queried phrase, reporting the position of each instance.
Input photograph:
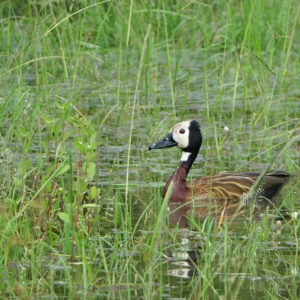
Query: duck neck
(187, 159)
(180, 189)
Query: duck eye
(182, 131)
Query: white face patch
(185, 156)
(181, 133)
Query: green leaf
(46, 118)
(64, 217)
(81, 147)
(93, 138)
(90, 170)
(56, 129)
(91, 156)
(41, 205)
(63, 170)
(20, 131)
(94, 191)
(59, 105)
(24, 165)
(81, 185)
(90, 205)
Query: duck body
(226, 192)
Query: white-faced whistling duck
(225, 192)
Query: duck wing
(235, 185)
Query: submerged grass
(85, 87)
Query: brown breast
(180, 191)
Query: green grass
(85, 87)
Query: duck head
(185, 135)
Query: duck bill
(166, 142)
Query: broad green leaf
(90, 170)
(63, 170)
(64, 217)
(94, 192)
(80, 146)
